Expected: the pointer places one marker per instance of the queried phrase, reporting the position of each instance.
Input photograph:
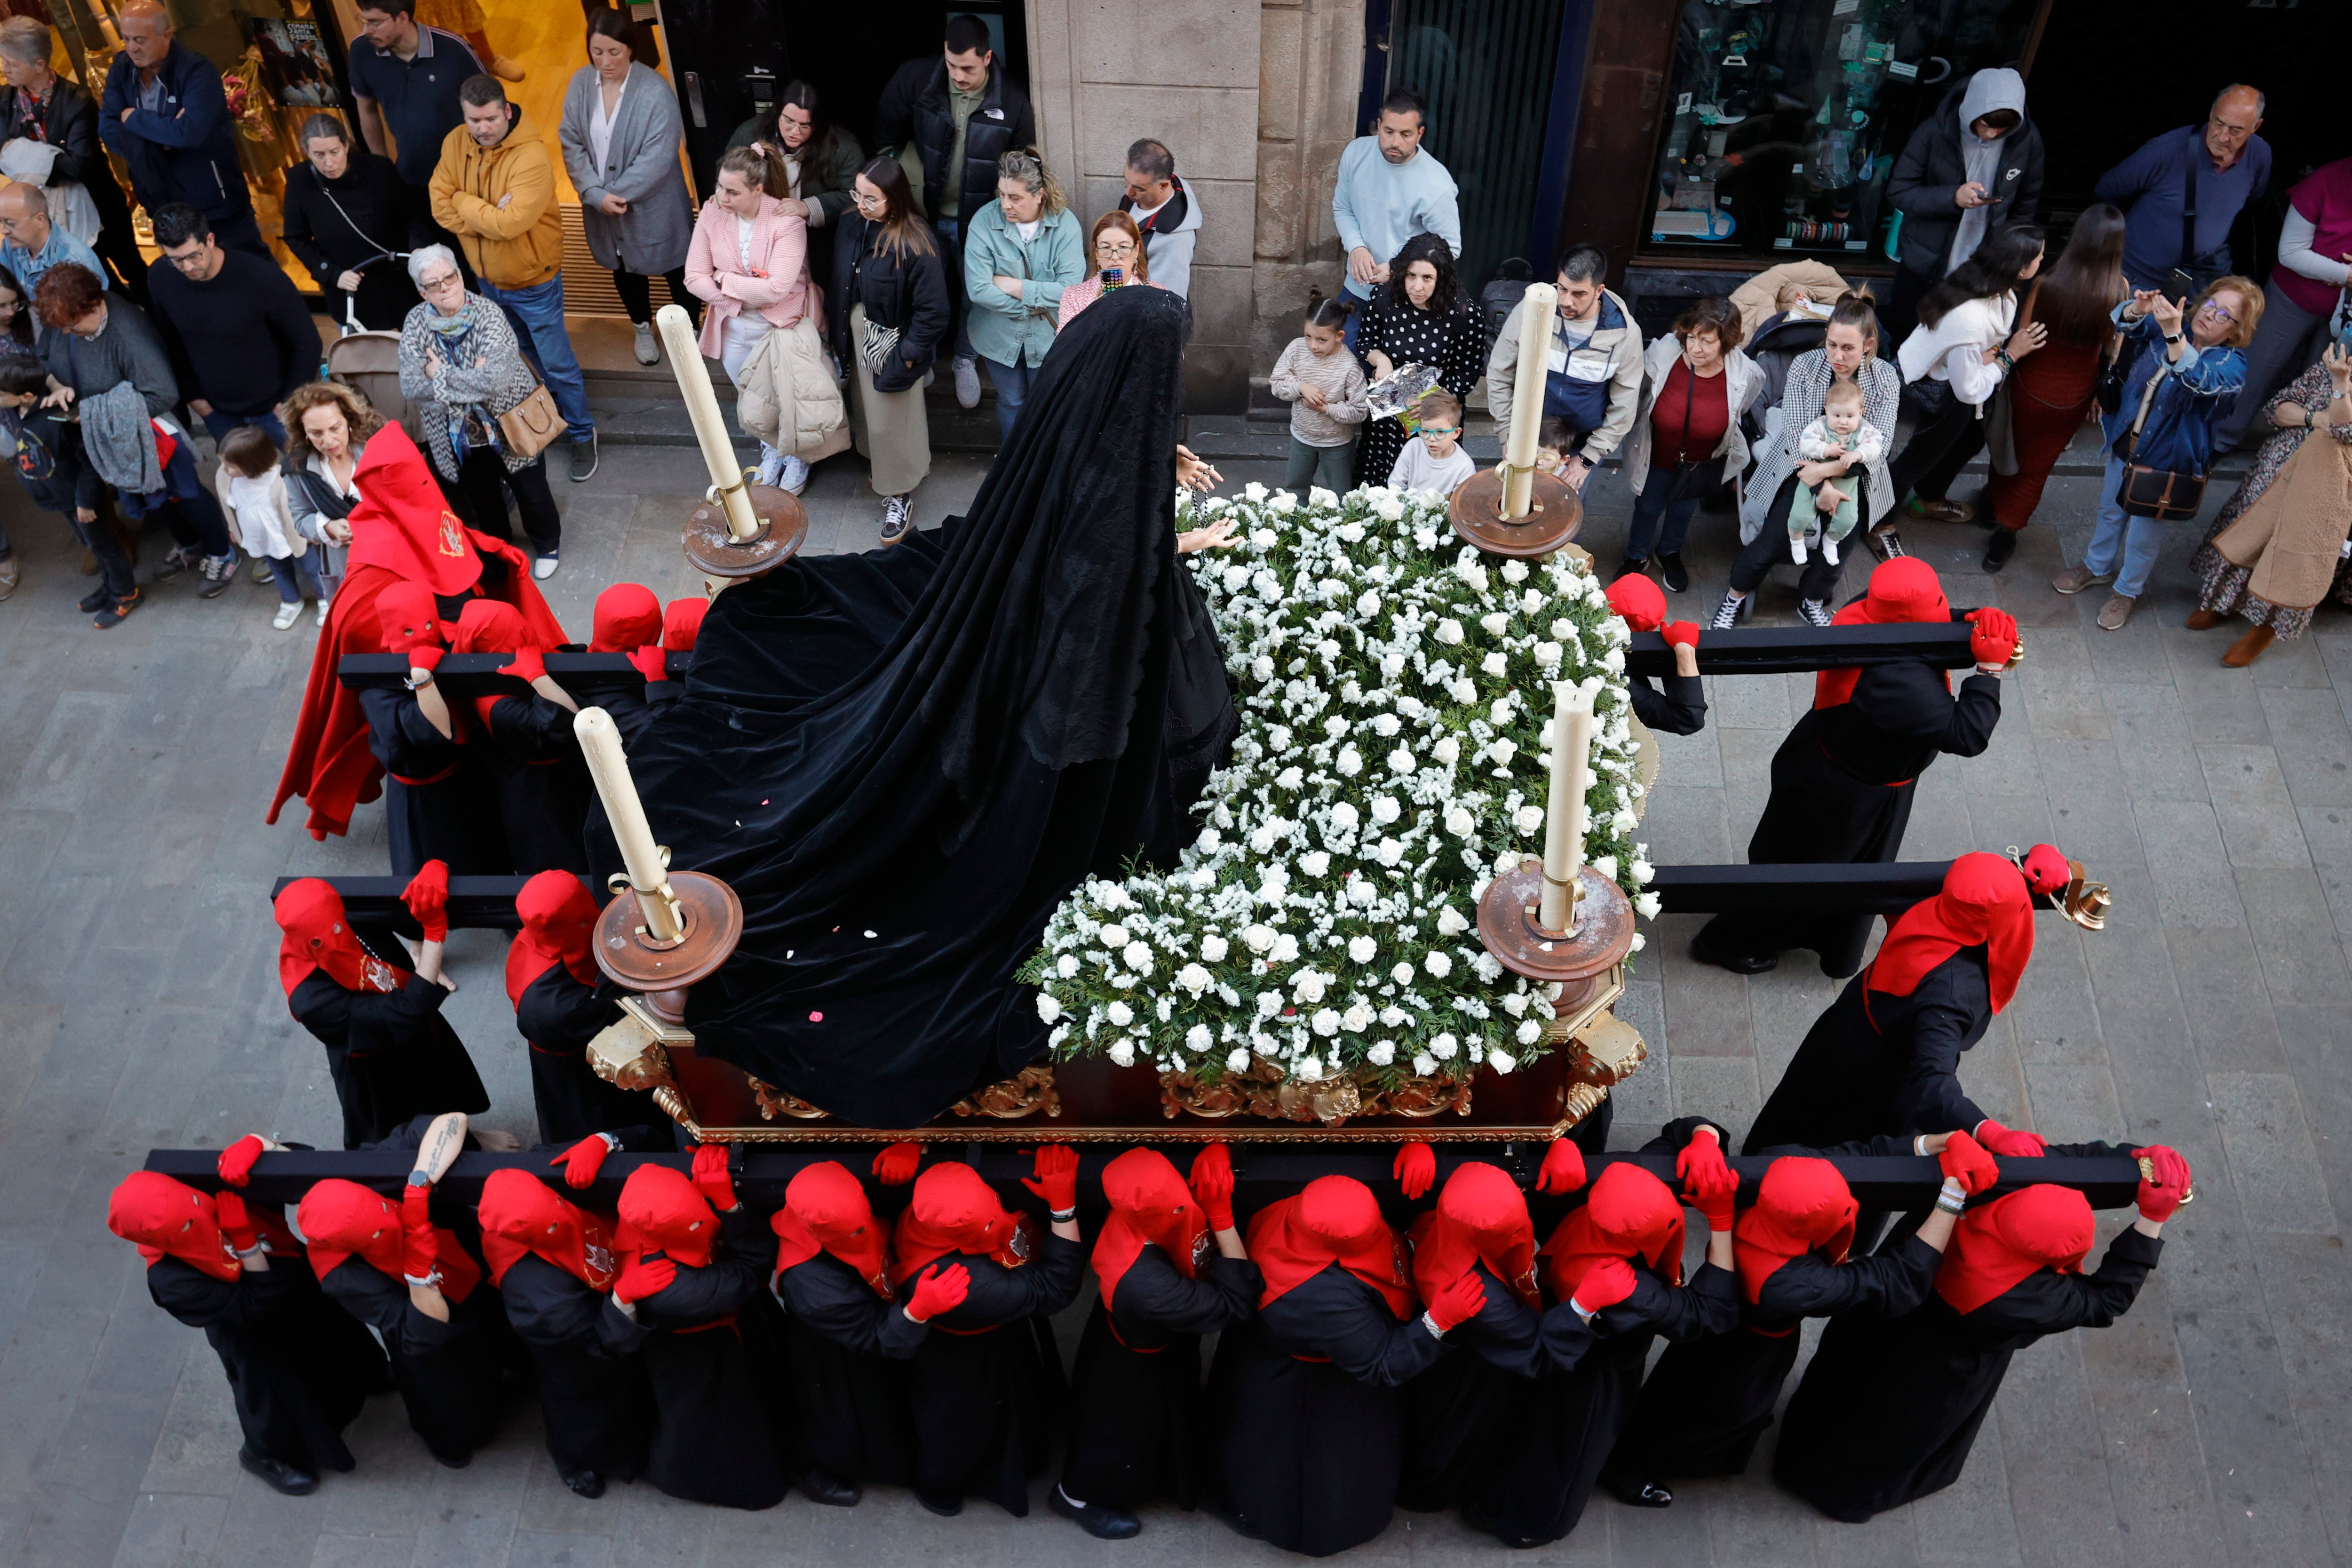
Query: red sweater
(1688, 421)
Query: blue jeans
(538, 314)
(293, 574)
(949, 231)
(2140, 537)
(218, 425)
(1651, 505)
(1012, 383)
(1356, 316)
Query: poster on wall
(299, 71)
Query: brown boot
(2248, 649)
(2202, 620)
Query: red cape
(329, 764)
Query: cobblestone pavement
(2209, 1426)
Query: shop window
(1783, 119)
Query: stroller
(369, 363)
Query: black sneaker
(1815, 612)
(94, 601)
(583, 460)
(116, 611)
(2000, 548)
(1101, 1522)
(1733, 609)
(1631, 566)
(1670, 568)
(897, 518)
(1885, 543)
(1635, 1491)
(218, 571)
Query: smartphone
(1112, 277)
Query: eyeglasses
(1436, 430)
(2214, 308)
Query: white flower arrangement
(1395, 698)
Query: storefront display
(1786, 116)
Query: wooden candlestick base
(714, 923)
(784, 527)
(1575, 961)
(1554, 515)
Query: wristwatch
(2172, 337)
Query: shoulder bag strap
(396, 254)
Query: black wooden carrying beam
(477, 674)
(476, 903)
(1775, 650)
(1261, 1172)
(1888, 889)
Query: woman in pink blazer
(749, 262)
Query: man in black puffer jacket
(1972, 166)
(961, 114)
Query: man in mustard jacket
(494, 190)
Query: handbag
(2165, 495)
(530, 427)
(875, 345)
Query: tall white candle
(709, 425)
(1571, 752)
(609, 766)
(1538, 307)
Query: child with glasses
(1436, 461)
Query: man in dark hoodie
(960, 113)
(1973, 165)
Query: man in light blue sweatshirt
(1388, 191)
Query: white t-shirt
(1415, 470)
(1028, 231)
(743, 227)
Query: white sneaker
(545, 567)
(287, 615)
(322, 611)
(771, 466)
(649, 350)
(792, 475)
(967, 382)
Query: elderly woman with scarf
(298, 1370)
(2012, 1274)
(562, 1001)
(1885, 1057)
(692, 1260)
(392, 1055)
(984, 1388)
(1464, 1413)
(1304, 1427)
(521, 743)
(847, 1334)
(1843, 781)
(2280, 545)
(1173, 1268)
(554, 1266)
(460, 368)
(1574, 1417)
(1707, 1401)
(437, 799)
(394, 1269)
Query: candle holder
(713, 548)
(1554, 515)
(1575, 960)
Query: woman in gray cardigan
(621, 134)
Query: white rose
(1390, 852)
(1193, 978)
(1443, 1047)
(1487, 968)
(1308, 987)
(1515, 1003)
(1450, 923)
(1395, 1018)
(1563, 630)
(1449, 631)
(1613, 661)
(1459, 821)
(1237, 1060)
(1067, 965)
(1111, 896)
(1317, 496)
(1424, 538)
(1391, 511)
(1639, 941)
(1401, 761)
(1401, 974)
(1349, 762)
(1209, 840)
(1308, 1070)
(1325, 1023)
(1261, 668)
(1114, 935)
(1122, 1051)
(1548, 654)
(1289, 778)
(1344, 816)
(1496, 664)
(1438, 965)
(1381, 1055)
(1358, 1017)
(1530, 1032)
(1197, 1038)
(1385, 809)
(1363, 949)
(1213, 948)
(1367, 604)
(1392, 665)
(1047, 1009)
(1646, 905)
(1253, 491)
(1503, 748)
(1642, 869)
(1314, 862)
(1423, 1064)
(1269, 1003)
(1464, 691)
(1447, 751)
(1259, 937)
(1515, 570)
(1284, 503)
(1500, 713)
(1606, 865)
(1622, 822)
(1285, 950)
(1122, 1014)
(1500, 1061)
(1386, 725)
(1138, 957)
(1495, 624)
(1472, 573)
(1529, 818)
(1361, 893)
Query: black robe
(1568, 1423)
(539, 778)
(1679, 709)
(1706, 1402)
(300, 1369)
(937, 755)
(448, 1374)
(1841, 789)
(985, 1385)
(632, 710)
(1926, 1380)
(847, 1349)
(392, 1055)
(556, 1017)
(1305, 1429)
(712, 1438)
(1873, 1065)
(437, 806)
(593, 1392)
(1456, 1415)
(1135, 1395)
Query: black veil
(903, 761)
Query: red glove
(710, 1174)
(235, 1223)
(1563, 1168)
(1057, 1177)
(2046, 870)
(2011, 1142)
(1457, 1303)
(642, 1277)
(420, 1249)
(1213, 1185)
(1964, 1160)
(582, 1160)
(1995, 637)
(235, 1165)
(2162, 1194)
(1605, 1285)
(1680, 633)
(943, 1288)
(651, 662)
(527, 663)
(424, 655)
(427, 897)
(1708, 1183)
(1414, 1168)
(896, 1165)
